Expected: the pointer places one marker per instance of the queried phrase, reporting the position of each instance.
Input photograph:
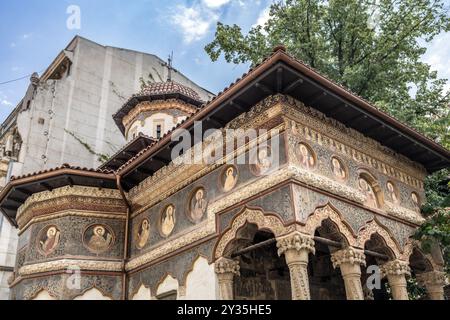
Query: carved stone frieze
(87, 199)
(403, 213)
(64, 264)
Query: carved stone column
(226, 269)
(296, 247)
(434, 282)
(396, 272)
(349, 260)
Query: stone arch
(199, 280)
(92, 294)
(263, 221)
(414, 245)
(43, 295)
(167, 284)
(375, 227)
(329, 212)
(142, 293)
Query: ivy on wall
(101, 157)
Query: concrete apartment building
(66, 117)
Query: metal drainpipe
(125, 244)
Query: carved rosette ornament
(434, 282)
(349, 260)
(226, 269)
(296, 248)
(396, 272)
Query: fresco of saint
(168, 221)
(143, 234)
(51, 241)
(198, 205)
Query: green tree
(375, 49)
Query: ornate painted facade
(340, 199)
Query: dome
(158, 91)
(168, 88)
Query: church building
(328, 190)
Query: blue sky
(33, 32)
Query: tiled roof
(169, 87)
(277, 50)
(64, 166)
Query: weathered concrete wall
(77, 110)
(70, 120)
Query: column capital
(295, 241)
(348, 255)
(434, 278)
(225, 265)
(395, 268)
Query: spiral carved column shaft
(296, 248)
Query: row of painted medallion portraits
(308, 159)
(97, 239)
(230, 175)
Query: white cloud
(194, 22)
(264, 16)
(5, 102)
(438, 56)
(215, 3)
(27, 35)
(12, 45)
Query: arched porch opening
(382, 254)
(419, 265)
(326, 282)
(263, 274)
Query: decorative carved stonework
(349, 260)
(295, 241)
(328, 212)
(226, 269)
(404, 213)
(79, 200)
(374, 227)
(396, 267)
(268, 222)
(396, 272)
(349, 255)
(64, 264)
(224, 265)
(296, 248)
